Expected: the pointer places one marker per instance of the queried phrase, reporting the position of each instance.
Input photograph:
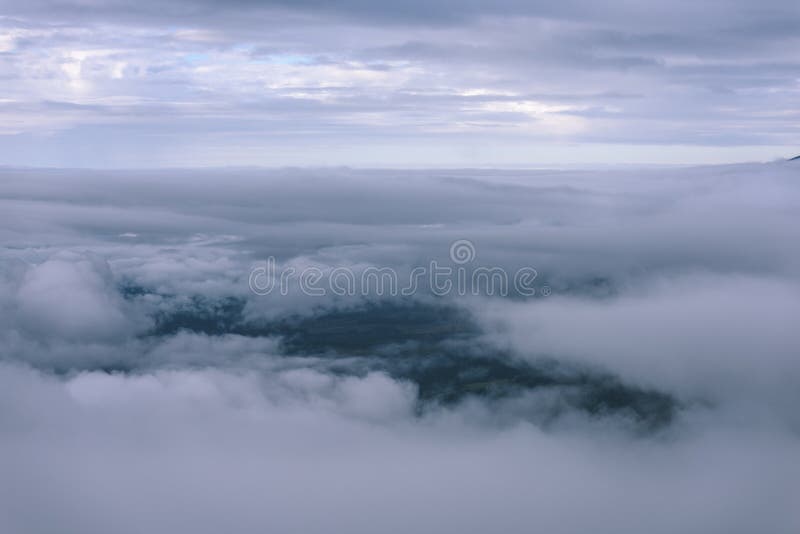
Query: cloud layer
(414, 84)
(144, 386)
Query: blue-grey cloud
(143, 380)
(273, 83)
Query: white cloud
(143, 381)
(73, 297)
(196, 451)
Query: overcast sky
(415, 83)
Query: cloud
(193, 451)
(712, 338)
(72, 297)
(142, 379)
(204, 83)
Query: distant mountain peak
(796, 158)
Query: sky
(434, 83)
(201, 202)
